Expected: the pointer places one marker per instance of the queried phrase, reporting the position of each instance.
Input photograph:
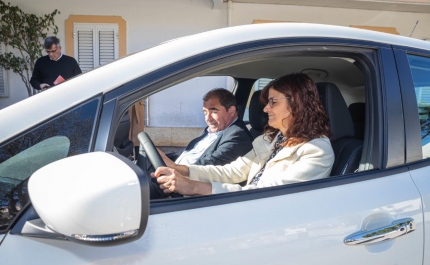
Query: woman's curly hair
(309, 120)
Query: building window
(261, 83)
(3, 87)
(98, 30)
(95, 44)
(258, 85)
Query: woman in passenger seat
(293, 148)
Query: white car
(85, 204)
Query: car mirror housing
(98, 198)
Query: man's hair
(51, 40)
(225, 97)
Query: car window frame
(394, 141)
(412, 126)
(127, 94)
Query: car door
(414, 68)
(296, 224)
(304, 223)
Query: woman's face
(278, 110)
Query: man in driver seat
(226, 137)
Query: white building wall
(150, 22)
(181, 105)
(404, 22)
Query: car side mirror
(98, 198)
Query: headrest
(257, 118)
(340, 120)
(357, 111)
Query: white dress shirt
(191, 156)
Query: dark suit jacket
(234, 142)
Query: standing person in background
(53, 68)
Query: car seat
(257, 117)
(347, 149)
(121, 142)
(358, 114)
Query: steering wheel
(156, 161)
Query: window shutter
(261, 83)
(3, 92)
(95, 44)
(85, 49)
(106, 46)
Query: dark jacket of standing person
(53, 67)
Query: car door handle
(397, 228)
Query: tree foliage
(24, 33)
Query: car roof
(38, 108)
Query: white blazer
(302, 162)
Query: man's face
(216, 116)
(54, 52)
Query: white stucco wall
(404, 22)
(151, 22)
(170, 108)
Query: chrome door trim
(397, 228)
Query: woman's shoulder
(263, 139)
(262, 143)
(319, 143)
(323, 139)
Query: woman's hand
(171, 180)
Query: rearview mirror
(96, 198)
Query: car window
(66, 135)
(22, 165)
(184, 116)
(172, 106)
(420, 68)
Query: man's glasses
(53, 51)
(271, 101)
